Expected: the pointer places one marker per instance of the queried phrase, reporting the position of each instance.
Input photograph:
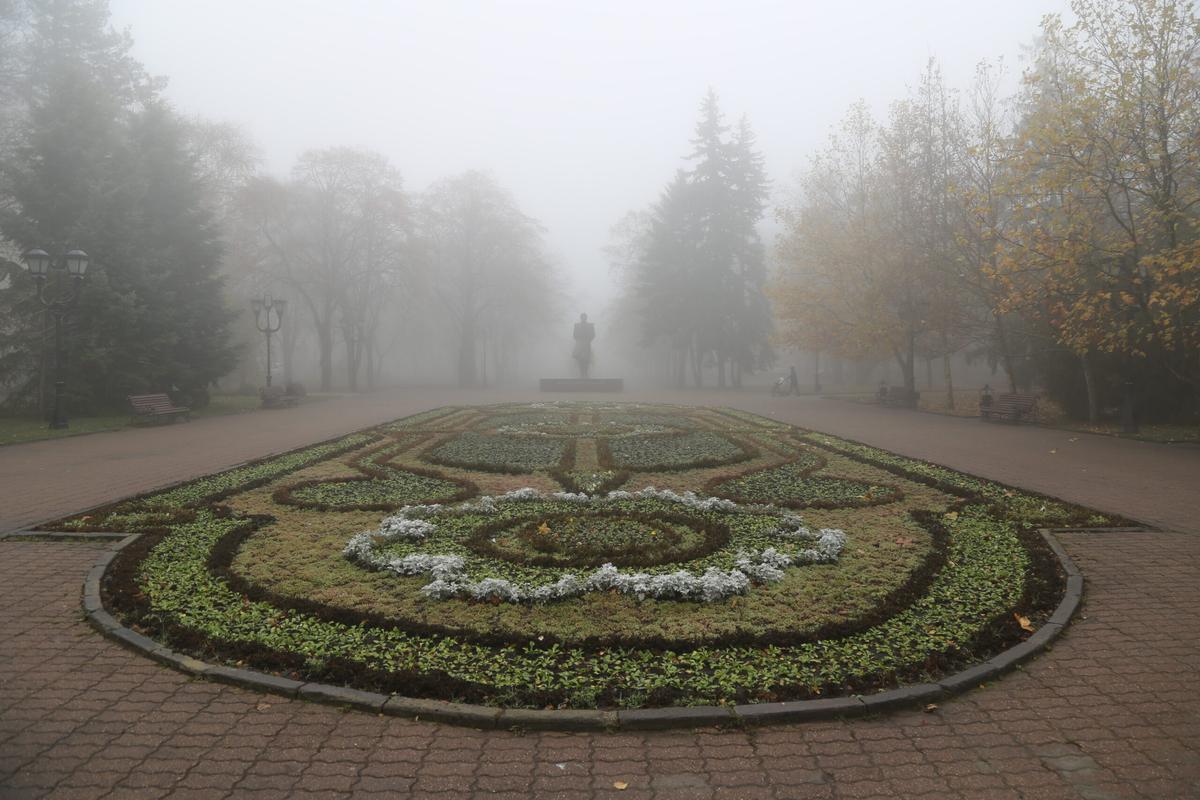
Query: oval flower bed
(458, 546)
(531, 594)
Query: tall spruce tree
(703, 271)
(100, 163)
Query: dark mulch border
(117, 565)
(1045, 582)
(568, 483)
(716, 536)
(712, 484)
(1080, 513)
(220, 562)
(375, 469)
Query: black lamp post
(268, 318)
(73, 263)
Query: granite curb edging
(479, 716)
(62, 536)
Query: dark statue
(585, 332)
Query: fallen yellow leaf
(622, 785)
(1024, 622)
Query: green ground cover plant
(524, 591)
(681, 451)
(793, 485)
(498, 452)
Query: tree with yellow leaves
(868, 262)
(1104, 190)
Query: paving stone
(806, 710)
(905, 696)
(249, 679)
(439, 711)
(971, 677)
(564, 720)
(643, 719)
(1110, 711)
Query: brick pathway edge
(479, 716)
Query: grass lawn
(15, 430)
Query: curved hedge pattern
(970, 566)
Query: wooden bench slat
(1009, 405)
(156, 405)
(277, 397)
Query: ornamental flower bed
(457, 547)
(728, 559)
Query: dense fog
(868, 193)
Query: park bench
(1010, 406)
(277, 397)
(156, 407)
(898, 397)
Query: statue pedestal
(582, 385)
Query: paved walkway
(1112, 712)
(1147, 481)
(1155, 483)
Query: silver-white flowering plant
(428, 540)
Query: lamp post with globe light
(268, 318)
(74, 264)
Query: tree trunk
(1089, 381)
(483, 362)
(1006, 353)
(325, 345)
(352, 355)
(929, 373)
(910, 382)
(466, 356)
(946, 373)
(287, 339)
(369, 355)
(907, 361)
(43, 406)
(817, 372)
(949, 381)
(1129, 423)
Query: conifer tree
(98, 162)
(703, 270)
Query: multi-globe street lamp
(74, 263)
(268, 318)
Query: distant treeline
(183, 230)
(1054, 232)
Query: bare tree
(337, 236)
(492, 277)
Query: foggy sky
(583, 110)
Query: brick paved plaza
(1113, 711)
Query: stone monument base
(582, 385)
